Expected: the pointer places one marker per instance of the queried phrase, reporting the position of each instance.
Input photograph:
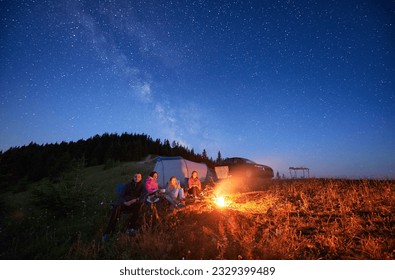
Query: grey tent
(180, 168)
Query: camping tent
(178, 167)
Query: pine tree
(204, 154)
(219, 157)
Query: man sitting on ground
(129, 201)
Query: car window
(237, 161)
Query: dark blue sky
(284, 83)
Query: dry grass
(309, 219)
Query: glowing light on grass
(220, 201)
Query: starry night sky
(283, 83)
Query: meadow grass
(48, 220)
(280, 219)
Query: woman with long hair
(194, 185)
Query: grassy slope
(310, 219)
(46, 220)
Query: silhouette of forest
(34, 162)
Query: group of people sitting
(135, 193)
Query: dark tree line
(34, 162)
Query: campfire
(220, 201)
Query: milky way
(284, 83)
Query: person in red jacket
(194, 185)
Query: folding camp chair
(222, 172)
